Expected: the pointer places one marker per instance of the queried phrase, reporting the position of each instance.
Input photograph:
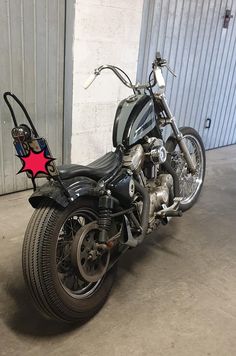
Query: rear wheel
(56, 285)
(190, 184)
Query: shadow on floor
(24, 318)
(157, 241)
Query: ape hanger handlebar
(157, 66)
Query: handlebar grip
(90, 80)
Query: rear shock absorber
(105, 219)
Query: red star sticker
(35, 162)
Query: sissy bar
(27, 141)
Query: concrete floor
(174, 295)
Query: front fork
(179, 136)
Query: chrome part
(155, 170)
(171, 71)
(178, 134)
(187, 155)
(159, 78)
(159, 194)
(133, 158)
(189, 183)
(157, 151)
(138, 203)
(84, 292)
(131, 241)
(174, 208)
(131, 188)
(142, 179)
(165, 104)
(98, 70)
(135, 87)
(132, 98)
(90, 80)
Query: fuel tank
(135, 117)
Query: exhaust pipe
(133, 242)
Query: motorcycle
(87, 217)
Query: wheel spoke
(189, 183)
(63, 259)
(67, 273)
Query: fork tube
(178, 134)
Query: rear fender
(76, 187)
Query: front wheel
(58, 289)
(190, 184)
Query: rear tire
(41, 271)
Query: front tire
(54, 295)
(190, 184)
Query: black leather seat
(95, 170)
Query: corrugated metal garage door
(190, 34)
(31, 66)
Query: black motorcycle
(87, 217)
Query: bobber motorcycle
(86, 217)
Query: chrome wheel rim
(68, 276)
(189, 183)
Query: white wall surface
(106, 32)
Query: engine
(156, 150)
(159, 192)
(144, 161)
(134, 158)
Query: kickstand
(131, 241)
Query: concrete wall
(106, 32)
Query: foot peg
(171, 211)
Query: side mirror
(158, 56)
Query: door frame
(68, 80)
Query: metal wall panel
(190, 34)
(32, 66)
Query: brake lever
(171, 70)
